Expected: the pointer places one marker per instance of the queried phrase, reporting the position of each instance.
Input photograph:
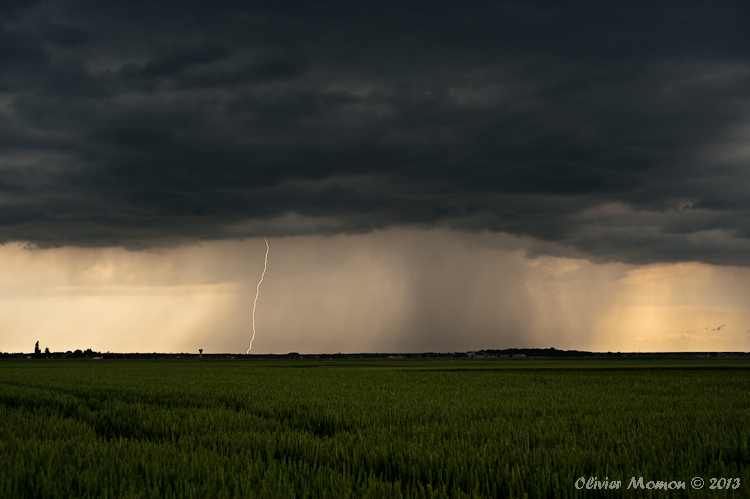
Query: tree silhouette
(36, 349)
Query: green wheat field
(372, 428)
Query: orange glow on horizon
(397, 290)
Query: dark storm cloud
(615, 132)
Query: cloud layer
(613, 132)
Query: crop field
(387, 428)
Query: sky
(430, 177)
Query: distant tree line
(38, 354)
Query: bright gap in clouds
(397, 290)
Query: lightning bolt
(257, 292)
